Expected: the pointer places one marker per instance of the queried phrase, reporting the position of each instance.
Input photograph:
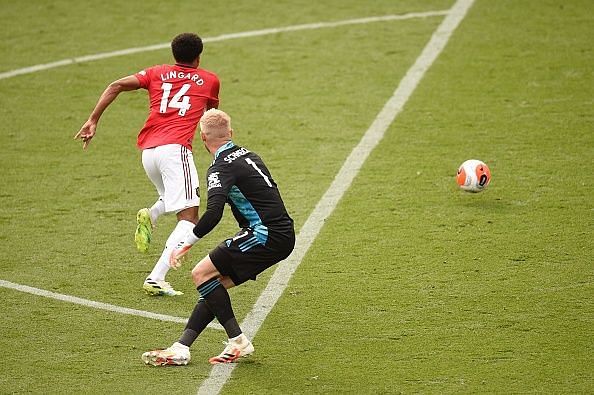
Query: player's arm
(87, 131)
(213, 101)
(212, 216)
(207, 222)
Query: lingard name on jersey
(181, 75)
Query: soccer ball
(473, 175)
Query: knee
(204, 271)
(197, 276)
(189, 214)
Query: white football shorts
(172, 170)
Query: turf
(412, 285)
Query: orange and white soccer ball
(473, 175)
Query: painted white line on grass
(279, 280)
(98, 305)
(222, 37)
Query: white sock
(179, 233)
(157, 210)
(238, 339)
(179, 345)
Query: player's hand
(178, 254)
(86, 133)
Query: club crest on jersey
(213, 180)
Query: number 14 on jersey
(178, 100)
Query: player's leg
(146, 218)
(212, 287)
(157, 209)
(155, 283)
(200, 317)
(179, 352)
(207, 279)
(234, 262)
(181, 195)
(239, 259)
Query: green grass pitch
(412, 286)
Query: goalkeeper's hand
(181, 249)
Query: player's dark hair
(186, 47)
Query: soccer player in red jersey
(179, 94)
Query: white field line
(279, 280)
(222, 37)
(98, 305)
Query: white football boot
(159, 288)
(237, 347)
(177, 354)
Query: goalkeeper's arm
(206, 223)
(212, 216)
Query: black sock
(217, 299)
(198, 321)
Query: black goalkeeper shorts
(242, 259)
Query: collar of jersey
(187, 66)
(229, 144)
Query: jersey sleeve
(212, 215)
(219, 183)
(213, 100)
(144, 77)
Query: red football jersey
(178, 96)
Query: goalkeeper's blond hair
(216, 124)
